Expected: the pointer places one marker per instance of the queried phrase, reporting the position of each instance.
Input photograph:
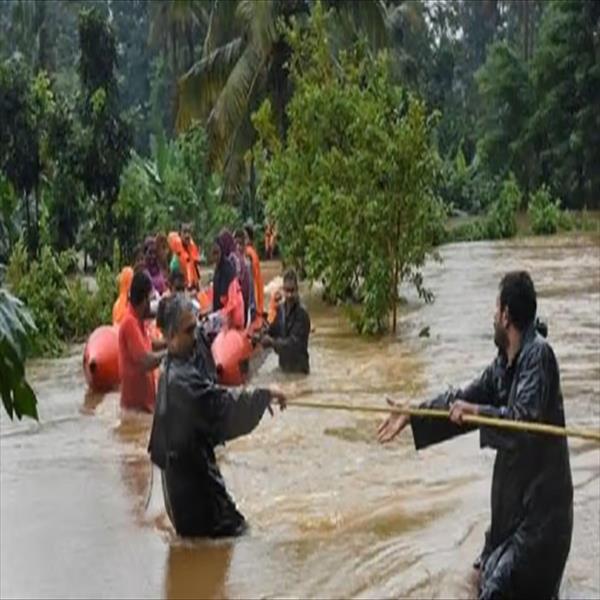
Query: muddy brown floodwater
(332, 513)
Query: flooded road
(331, 512)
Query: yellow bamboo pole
(527, 426)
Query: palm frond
(200, 88)
(258, 19)
(235, 168)
(222, 26)
(234, 101)
(369, 18)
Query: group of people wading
(528, 541)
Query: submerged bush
(62, 306)
(544, 212)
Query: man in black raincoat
(192, 416)
(527, 544)
(288, 334)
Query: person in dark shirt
(288, 334)
(528, 542)
(192, 416)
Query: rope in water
(471, 419)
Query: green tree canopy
(350, 189)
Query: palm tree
(244, 59)
(175, 25)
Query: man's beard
(500, 337)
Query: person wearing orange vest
(120, 305)
(228, 301)
(259, 288)
(188, 255)
(139, 355)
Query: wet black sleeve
(428, 431)
(207, 411)
(537, 377)
(237, 413)
(298, 335)
(275, 327)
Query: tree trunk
(28, 222)
(252, 188)
(396, 275)
(526, 13)
(279, 84)
(174, 50)
(36, 228)
(190, 43)
(395, 308)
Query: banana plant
(16, 329)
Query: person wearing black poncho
(528, 542)
(192, 416)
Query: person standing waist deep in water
(192, 416)
(138, 354)
(527, 544)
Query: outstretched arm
(238, 413)
(428, 431)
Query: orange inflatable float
(101, 359)
(232, 352)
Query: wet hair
(226, 243)
(141, 286)
(249, 232)
(170, 311)
(177, 281)
(291, 277)
(160, 313)
(138, 255)
(518, 294)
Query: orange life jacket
(187, 258)
(120, 306)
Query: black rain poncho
(527, 544)
(192, 416)
(290, 332)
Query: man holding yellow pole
(527, 544)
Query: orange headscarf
(119, 307)
(174, 242)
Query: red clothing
(233, 305)
(137, 386)
(188, 257)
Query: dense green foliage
(544, 212)
(174, 186)
(62, 306)
(566, 122)
(351, 187)
(106, 137)
(500, 220)
(516, 84)
(16, 328)
(539, 119)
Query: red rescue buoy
(232, 350)
(101, 359)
